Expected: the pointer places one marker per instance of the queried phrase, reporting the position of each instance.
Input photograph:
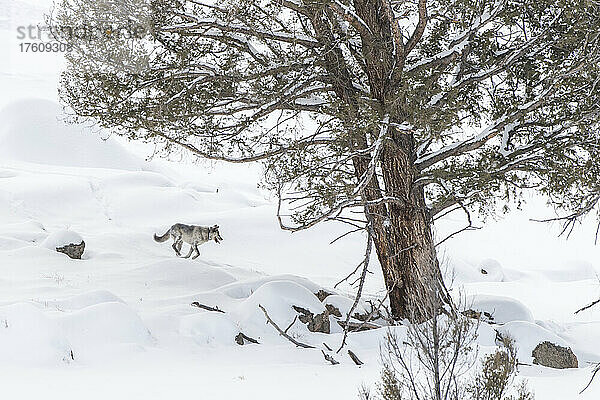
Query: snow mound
(7, 174)
(242, 290)
(192, 274)
(527, 336)
(571, 272)
(127, 180)
(11, 244)
(27, 231)
(503, 309)
(105, 324)
(61, 238)
(580, 334)
(209, 328)
(491, 271)
(29, 337)
(277, 297)
(31, 130)
(60, 198)
(488, 270)
(84, 300)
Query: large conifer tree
(400, 110)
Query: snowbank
(31, 130)
(29, 337)
(61, 238)
(503, 309)
(277, 297)
(209, 328)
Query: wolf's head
(214, 234)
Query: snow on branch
(351, 17)
(198, 27)
(356, 199)
(368, 175)
(484, 136)
(461, 40)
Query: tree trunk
(403, 236)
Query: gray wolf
(193, 235)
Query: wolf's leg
(190, 252)
(197, 252)
(177, 247)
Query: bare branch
(418, 33)
(282, 333)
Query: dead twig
(290, 325)
(205, 307)
(348, 276)
(354, 358)
(282, 333)
(358, 326)
(596, 370)
(365, 264)
(329, 358)
(588, 306)
(241, 338)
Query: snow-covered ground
(118, 323)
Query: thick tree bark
(406, 248)
(403, 235)
(402, 231)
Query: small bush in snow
(495, 379)
(432, 361)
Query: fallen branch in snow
(358, 326)
(594, 372)
(241, 337)
(290, 325)
(354, 358)
(282, 333)
(588, 306)
(329, 358)
(205, 307)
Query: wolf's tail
(162, 238)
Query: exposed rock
(362, 317)
(315, 323)
(242, 339)
(73, 250)
(333, 310)
(484, 316)
(65, 241)
(322, 294)
(554, 356)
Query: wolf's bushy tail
(162, 238)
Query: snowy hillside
(118, 324)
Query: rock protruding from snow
(67, 242)
(74, 251)
(278, 299)
(322, 294)
(314, 323)
(554, 356)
